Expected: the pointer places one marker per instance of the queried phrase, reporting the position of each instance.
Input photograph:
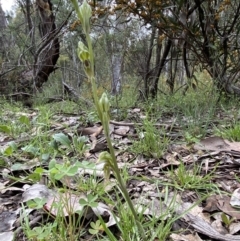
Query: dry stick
(140, 124)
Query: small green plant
(152, 142)
(14, 128)
(77, 144)
(63, 228)
(185, 179)
(232, 133)
(191, 139)
(96, 227)
(226, 220)
(41, 233)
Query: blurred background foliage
(143, 49)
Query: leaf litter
(215, 217)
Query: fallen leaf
(216, 143)
(7, 236)
(235, 198)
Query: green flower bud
(85, 13)
(104, 103)
(83, 53)
(105, 157)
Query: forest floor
(180, 164)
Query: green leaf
(24, 120)
(54, 145)
(36, 177)
(8, 151)
(36, 203)
(59, 176)
(87, 165)
(63, 139)
(3, 163)
(95, 227)
(5, 129)
(13, 145)
(39, 170)
(52, 164)
(93, 231)
(93, 204)
(45, 157)
(92, 198)
(83, 202)
(31, 149)
(225, 219)
(17, 166)
(72, 171)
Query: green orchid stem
(118, 175)
(103, 115)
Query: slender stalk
(87, 57)
(119, 178)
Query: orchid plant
(85, 54)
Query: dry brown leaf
(64, 204)
(234, 228)
(201, 225)
(182, 237)
(171, 159)
(223, 203)
(7, 236)
(122, 130)
(217, 225)
(211, 204)
(235, 199)
(216, 143)
(89, 130)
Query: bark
(148, 62)
(173, 69)
(117, 53)
(160, 68)
(116, 73)
(47, 54)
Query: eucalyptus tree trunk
(47, 54)
(118, 52)
(147, 64)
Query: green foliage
(231, 133)
(226, 220)
(153, 142)
(14, 128)
(185, 179)
(41, 233)
(90, 202)
(191, 139)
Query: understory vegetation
(49, 144)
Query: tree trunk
(47, 54)
(160, 68)
(147, 64)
